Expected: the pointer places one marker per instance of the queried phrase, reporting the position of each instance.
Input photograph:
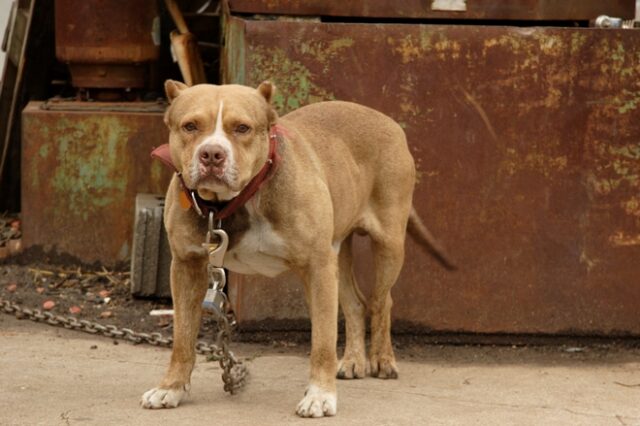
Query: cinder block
(151, 257)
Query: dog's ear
(173, 88)
(267, 90)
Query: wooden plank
(12, 78)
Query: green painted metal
(82, 171)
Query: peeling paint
(44, 151)
(632, 206)
(84, 171)
(87, 171)
(620, 239)
(627, 101)
(620, 165)
(292, 78)
(324, 51)
(544, 163)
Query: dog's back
(363, 153)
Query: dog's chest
(260, 250)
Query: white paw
(162, 398)
(317, 403)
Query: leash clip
(215, 300)
(216, 250)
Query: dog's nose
(212, 155)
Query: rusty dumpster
(528, 155)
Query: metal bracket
(604, 21)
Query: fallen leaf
(75, 309)
(48, 305)
(12, 287)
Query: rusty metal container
(526, 143)
(107, 43)
(83, 165)
(516, 10)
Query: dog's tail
(417, 229)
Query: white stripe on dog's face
(217, 138)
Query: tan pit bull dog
(343, 169)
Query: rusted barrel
(107, 43)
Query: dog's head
(219, 135)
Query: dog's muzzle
(212, 159)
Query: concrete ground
(51, 376)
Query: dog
(338, 169)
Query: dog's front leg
(321, 287)
(188, 287)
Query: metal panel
(528, 156)
(107, 43)
(525, 10)
(82, 171)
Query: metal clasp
(215, 300)
(216, 250)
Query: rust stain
(632, 206)
(619, 168)
(408, 48)
(620, 239)
(325, 51)
(541, 162)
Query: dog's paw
(162, 398)
(317, 403)
(384, 367)
(352, 368)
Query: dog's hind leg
(388, 251)
(354, 362)
(188, 287)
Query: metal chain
(234, 371)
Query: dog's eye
(190, 127)
(242, 128)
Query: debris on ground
(10, 235)
(100, 295)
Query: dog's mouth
(218, 187)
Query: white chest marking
(260, 251)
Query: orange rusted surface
(528, 157)
(107, 43)
(82, 170)
(522, 10)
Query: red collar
(222, 210)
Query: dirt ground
(95, 295)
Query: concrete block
(151, 256)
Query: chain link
(234, 371)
